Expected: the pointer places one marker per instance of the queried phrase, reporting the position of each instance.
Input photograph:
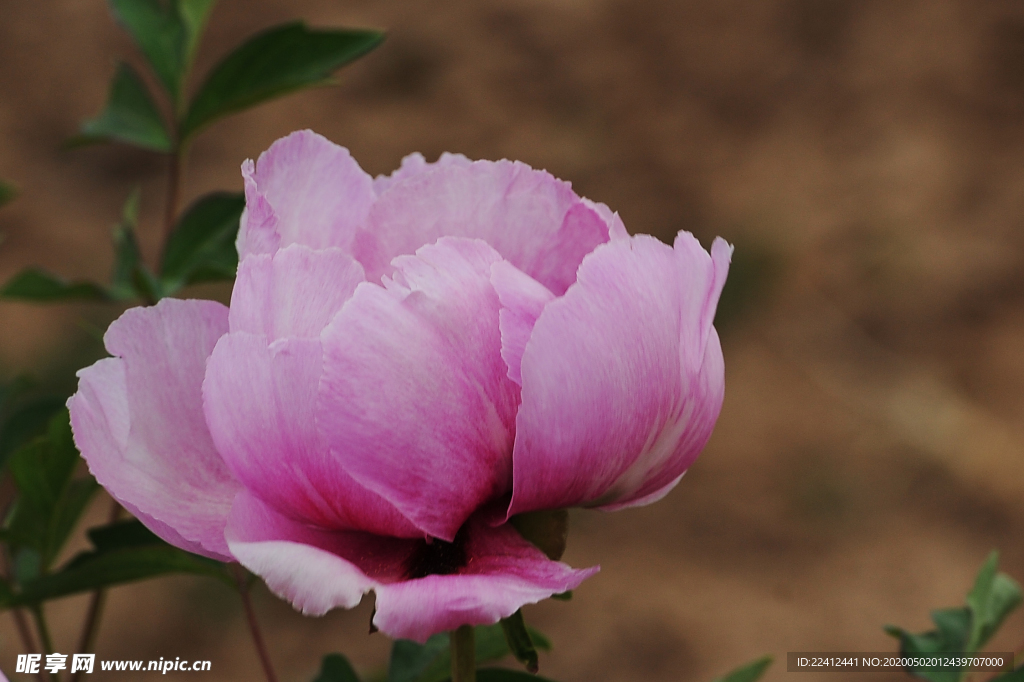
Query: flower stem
(463, 654)
(254, 626)
(87, 642)
(27, 641)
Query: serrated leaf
(167, 32)
(33, 284)
(748, 673)
(278, 61)
(519, 642)
(96, 570)
(202, 246)
(7, 192)
(336, 668)
(993, 597)
(130, 116)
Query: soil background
(863, 156)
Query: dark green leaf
(25, 422)
(1012, 676)
(563, 596)
(336, 668)
(993, 597)
(748, 673)
(122, 534)
(281, 60)
(36, 285)
(94, 570)
(431, 662)
(519, 642)
(43, 468)
(131, 116)
(68, 510)
(7, 192)
(548, 530)
(503, 675)
(127, 256)
(167, 32)
(202, 245)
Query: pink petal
(260, 403)
(293, 292)
(522, 301)
(415, 401)
(533, 220)
(503, 572)
(303, 190)
(622, 377)
(315, 570)
(139, 424)
(414, 164)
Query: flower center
(437, 557)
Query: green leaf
(431, 662)
(25, 422)
(953, 627)
(547, 530)
(7, 192)
(1012, 676)
(33, 284)
(167, 32)
(122, 534)
(130, 116)
(503, 675)
(94, 570)
(202, 245)
(336, 668)
(748, 673)
(278, 61)
(519, 642)
(993, 597)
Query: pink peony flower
(407, 362)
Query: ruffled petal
(622, 377)
(522, 301)
(414, 164)
(315, 570)
(138, 421)
(293, 292)
(260, 403)
(303, 190)
(533, 220)
(415, 401)
(502, 573)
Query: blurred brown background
(864, 156)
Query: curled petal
(303, 190)
(138, 421)
(522, 301)
(292, 293)
(622, 378)
(532, 219)
(260, 401)
(415, 401)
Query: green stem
(44, 634)
(87, 642)
(463, 654)
(254, 626)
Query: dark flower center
(437, 557)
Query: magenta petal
(622, 377)
(522, 301)
(315, 570)
(503, 573)
(521, 212)
(139, 424)
(303, 190)
(259, 404)
(294, 292)
(415, 401)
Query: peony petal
(532, 219)
(622, 377)
(315, 570)
(414, 164)
(522, 301)
(502, 573)
(260, 403)
(139, 424)
(293, 292)
(415, 401)
(303, 190)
